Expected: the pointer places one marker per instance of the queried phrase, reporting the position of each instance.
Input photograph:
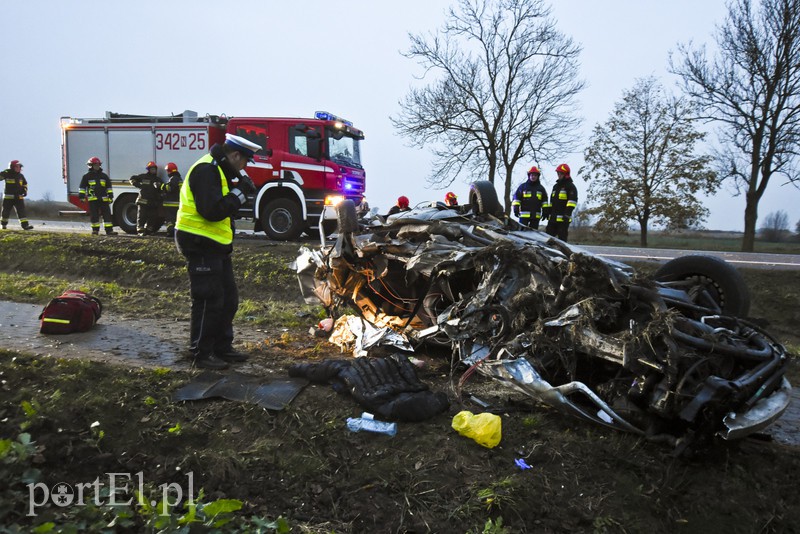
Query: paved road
(623, 254)
(744, 259)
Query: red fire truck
(306, 163)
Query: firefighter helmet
(171, 168)
(93, 161)
(563, 168)
(402, 202)
(451, 199)
(151, 165)
(14, 162)
(534, 170)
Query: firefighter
(96, 188)
(450, 199)
(171, 191)
(402, 205)
(530, 199)
(148, 202)
(212, 193)
(16, 190)
(563, 200)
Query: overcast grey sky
(82, 58)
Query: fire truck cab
(305, 165)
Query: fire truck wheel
(282, 220)
(125, 213)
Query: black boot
(232, 356)
(209, 361)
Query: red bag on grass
(73, 311)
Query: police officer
(530, 199)
(171, 191)
(212, 193)
(16, 190)
(95, 187)
(148, 202)
(563, 200)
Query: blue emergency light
(325, 116)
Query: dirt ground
(302, 464)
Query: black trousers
(530, 222)
(170, 216)
(147, 218)
(559, 229)
(97, 209)
(19, 205)
(215, 300)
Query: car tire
(346, 217)
(281, 220)
(483, 199)
(722, 281)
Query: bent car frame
(672, 358)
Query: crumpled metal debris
(566, 327)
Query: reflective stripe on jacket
(189, 220)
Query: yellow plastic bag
(484, 428)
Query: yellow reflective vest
(192, 222)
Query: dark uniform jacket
(16, 184)
(563, 199)
(531, 197)
(172, 189)
(210, 203)
(149, 186)
(96, 185)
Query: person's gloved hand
(243, 187)
(246, 185)
(81, 197)
(516, 211)
(545, 213)
(110, 196)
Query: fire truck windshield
(345, 151)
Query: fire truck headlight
(333, 200)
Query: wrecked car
(672, 357)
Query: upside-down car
(672, 357)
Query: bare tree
(641, 164)
(752, 89)
(776, 226)
(504, 89)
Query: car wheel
(708, 275)
(281, 220)
(483, 199)
(346, 218)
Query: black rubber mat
(272, 395)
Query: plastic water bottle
(368, 423)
